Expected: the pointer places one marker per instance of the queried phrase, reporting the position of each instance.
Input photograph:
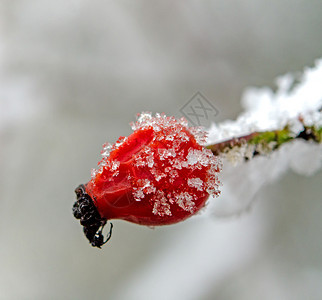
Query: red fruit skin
(144, 180)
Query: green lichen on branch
(277, 137)
(258, 143)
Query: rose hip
(161, 174)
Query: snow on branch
(285, 126)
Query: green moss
(283, 136)
(268, 140)
(263, 137)
(278, 136)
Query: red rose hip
(159, 175)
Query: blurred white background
(73, 74)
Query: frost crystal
(143, 119)
(195, 183)
(149, 158)
(115, 165)
(200, 135)
(192, 157)
(161, 206)
(138, 195)
(107, 148)
(165, 153)
(143, 187)
(185, 201)
(173, 175)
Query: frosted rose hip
(161, 174)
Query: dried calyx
(85, 210)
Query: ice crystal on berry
(200, 134)
(107, 148)
(196, 183)
(161, 206)
(192, 157)
(185, 201)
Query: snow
(266, 110)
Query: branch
(262, 143)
